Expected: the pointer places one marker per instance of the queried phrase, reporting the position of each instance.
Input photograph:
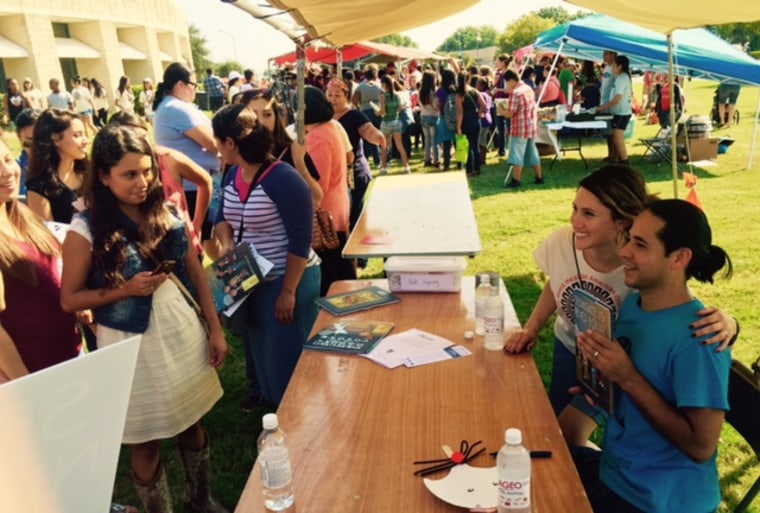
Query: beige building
(105, 39)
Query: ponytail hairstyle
(686, 226)
(388, 85)
(174, 72)
(110, 236)
(239, 123)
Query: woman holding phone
(113, 258)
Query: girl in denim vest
(109, 255)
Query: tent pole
(300, 94)
(672, 115)
(551, 69)
(339, 63)
(754, 133)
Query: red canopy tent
(357, 51)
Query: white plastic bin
(425, 274)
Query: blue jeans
(563, 377)
(276, 347)
(471, 130)
(500, 140)
(430, 133)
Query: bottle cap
(513, 436)
(269, 421)
(469, 335)
(485, 278)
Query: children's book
(234, 275)
(349, 336)
(592, 314)
(356, 300)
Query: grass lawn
(511, 225)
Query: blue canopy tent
(696, 52)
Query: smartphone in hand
(165, 267)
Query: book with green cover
(357, 300)
(349, 336)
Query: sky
(232, 34)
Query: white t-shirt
(82, 99)
(554, 257)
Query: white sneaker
(384, 171)
(407, 170)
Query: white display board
(60, 432)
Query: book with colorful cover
(357, 300)
(234, 275)
(350, 336)
(592, 314)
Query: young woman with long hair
(110, 254)
(390, 110)
(429, 111)
(620, 106)
(125, 98)
(100, 100)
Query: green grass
(511, 225)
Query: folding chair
(744, 416)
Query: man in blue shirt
(660, 446)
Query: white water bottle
(493, 320)
(481, 294)
(274, 464)
(513, 467)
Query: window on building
(61, 29)
(70, 70)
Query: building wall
(156, 28)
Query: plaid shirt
(214, 86)
(522, 105)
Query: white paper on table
(392, 351)
(62, 429)
(467, 487)
(438, 355)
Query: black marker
(533, 454)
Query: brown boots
(483, 154)
(197, 484)
(154, 496)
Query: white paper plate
(467, 487)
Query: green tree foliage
(740, 33)
(199, 49)
(523, 31)
(223, 68)
(470, 38)
(397, 40)
(559, 14)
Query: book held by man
(349, 336)
(357, 300)
(592, 314)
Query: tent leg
(754, 132)
(673, 127)
(300, 94)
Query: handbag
(191, 300)
(463, 148)
(324, 237)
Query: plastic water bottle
(274, 463)
(513, 467)
(482, 292)
(493, 320)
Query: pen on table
(533, 454)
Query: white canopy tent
(665, 17)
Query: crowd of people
(203, 186)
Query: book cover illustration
(350, 336)
(234, 275)
(592, 314)
(356, 300)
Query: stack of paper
(413, 348)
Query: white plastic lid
(513, 436)
(485, 278)
(269, 421)
(440, 264)
(469, 335)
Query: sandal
(119, 508)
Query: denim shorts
(389, 127)
(523, 152)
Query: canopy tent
(698, 52)
(338, 22)
(665, 17)
(358, 51)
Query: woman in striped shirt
(268, 203)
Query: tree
(199, 48)
(397, 40)
(223, 68)
(470, 38)
(740, 34)
(523, 31)
(558, 15)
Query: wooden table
(418, 214)
(355, 427)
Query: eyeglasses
(192, 84)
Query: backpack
(450, 112)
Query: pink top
(174, 193)
(328, 151)
(43, 333)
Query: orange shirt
(327, 149)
